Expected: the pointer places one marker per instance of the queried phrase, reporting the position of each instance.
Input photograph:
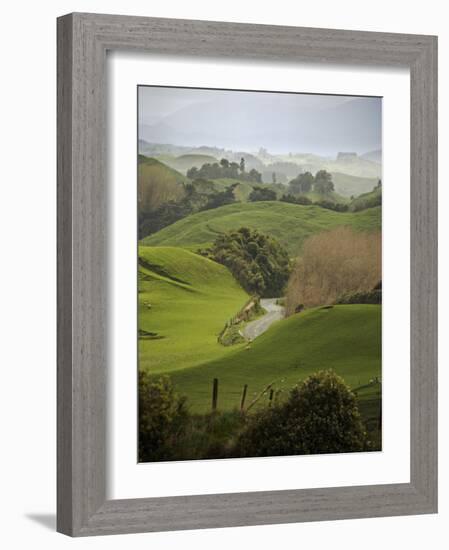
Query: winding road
(274, 313)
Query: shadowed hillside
(344, 338)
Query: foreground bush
(320, 416)
(167, 431)
(162, 418)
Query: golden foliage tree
(334, 263)
(156, 186)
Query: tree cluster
(305, 183)
(262, 194)
(225, 169)
(305, 201)
(258, 262)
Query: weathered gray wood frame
(83, 40)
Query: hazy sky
(280, 122)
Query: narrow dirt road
(274, 313)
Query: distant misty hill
(174, 155)
(375, 156)
(352, 174)
(286, 125)
(152, 149)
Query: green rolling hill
(157, 184)
(185, 162)
(184, 302)
(290, 224)
(348, 185)
(344, 338)
(367, 200)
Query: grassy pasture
(290, 224)
(345, 338)
(184, 301)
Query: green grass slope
(155, 164)
(344, 338)
(290, 224)
(184, 302)
(367, 200)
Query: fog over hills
(352, 174)
(375, 156)
(283, 123)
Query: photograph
(259, 269)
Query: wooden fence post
(242, 402)
(214, 395)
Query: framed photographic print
(246, 274)
(252, 259)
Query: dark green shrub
(225, 169)
(257, 261)
(162, 417)
(305, 201)
(370, 297)
(319, 416)
(373, 296)
(231, 336)
(335, 206)
(262, 194)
